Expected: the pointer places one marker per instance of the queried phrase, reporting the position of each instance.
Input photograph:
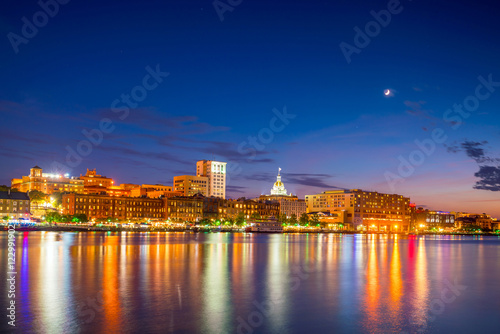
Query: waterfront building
(47, 183)
(289, 204)
(495, 224)
(190, 185)
(218, 208)
(14, 205)
(215, 171)
(363, 210)
(427, 219)
(105, 206)
(184, 208)
(333, 220)
(464, 220)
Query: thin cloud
(312, 180)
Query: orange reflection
(372, 283)
(421, 293)
(110, 293)
(396, 282)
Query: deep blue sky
(226, 77)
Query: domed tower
(279, 187)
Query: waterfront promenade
(215, 229)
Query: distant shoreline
(220, 230)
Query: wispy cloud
(152, 120)
(139, 155)
(311, 180)
(416, 108)
(236, 189)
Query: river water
(248, 283)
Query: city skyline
(209, 86)
(124, 186)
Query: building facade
(190, 185)
(464, 220)
(184, 208)
(225, 209)
(105, 206)
(364, 210)
(14, 205)
(215, 171)
(426, 219)
(47, 183)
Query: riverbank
(210, 229)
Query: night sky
(219, 82)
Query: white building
(215, 171)
(289, 203)
(278, 187)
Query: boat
(270, 225)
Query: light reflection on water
(221, 283)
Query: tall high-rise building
(215, 171)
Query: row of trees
(304, 220)
(55, 217)
(7, 188)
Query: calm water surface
(248, 283)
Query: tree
(53, 217)
(6, 218)
(304, 219)
(293, 220)
(56, 199)
(240, 219)
(314, 220)
(471, 228)
(7, 188)
(37, 197)
(255, 216)
(79, 218)
(282, 219)
(66, 218)
(204, 221)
